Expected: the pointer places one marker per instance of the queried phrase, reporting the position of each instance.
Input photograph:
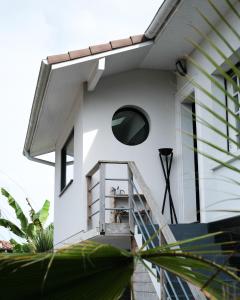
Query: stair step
(145, 296)
(187, 231)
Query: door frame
(181, 95)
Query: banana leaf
(12, 227)
(43, 213)
(18, 211)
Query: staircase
(186, 231)
(170, 287)
(143, 287)
(133, 217)
(174, 288)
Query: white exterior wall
(69, 206)
(213, 185)
(152, 91)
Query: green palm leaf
(98, 271)
(85, 271)
(18, 211)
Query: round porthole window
(130, 126)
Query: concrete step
(143, 286)
(145, 296)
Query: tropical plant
(102, 272)
(36, 237)
(223, 113)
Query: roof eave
(44, 73)
(42, 83)
(161, 18)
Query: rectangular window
(233, 117)
(67, 162)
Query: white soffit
(96, 74)
(64, 85)
(171, 43)
(60, 94)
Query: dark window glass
(234, 106)
(130, 126)
(67, 161)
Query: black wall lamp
(181, 66)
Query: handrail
(133, 172)
(96, 167)
(165, 229)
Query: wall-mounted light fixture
(181, 66)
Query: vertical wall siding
(213, 186)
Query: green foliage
(96, 271)
(21, 248)
(99, 271)
(18, 211)
(38, 238)
(12, 227)
(213, 106)
(43, 213)
(43, 240)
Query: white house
(107, 109)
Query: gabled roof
(62, 75)
(91, 50)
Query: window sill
(226, 159)
(65, 188)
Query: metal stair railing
(142, 217)
(161, 222)
(151, 242)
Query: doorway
(191, 192)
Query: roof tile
(100, 48)
(58, 58)
(121, 43)
(79, 53)
(136, 39)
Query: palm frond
(91, 270)
(84, 271)
(223, 19)
(218, 33)
(194, 269)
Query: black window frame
(140, 112)
(64, 184)
(226, 83)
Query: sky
(29, 32)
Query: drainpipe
(164, 13)
(38, 160)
